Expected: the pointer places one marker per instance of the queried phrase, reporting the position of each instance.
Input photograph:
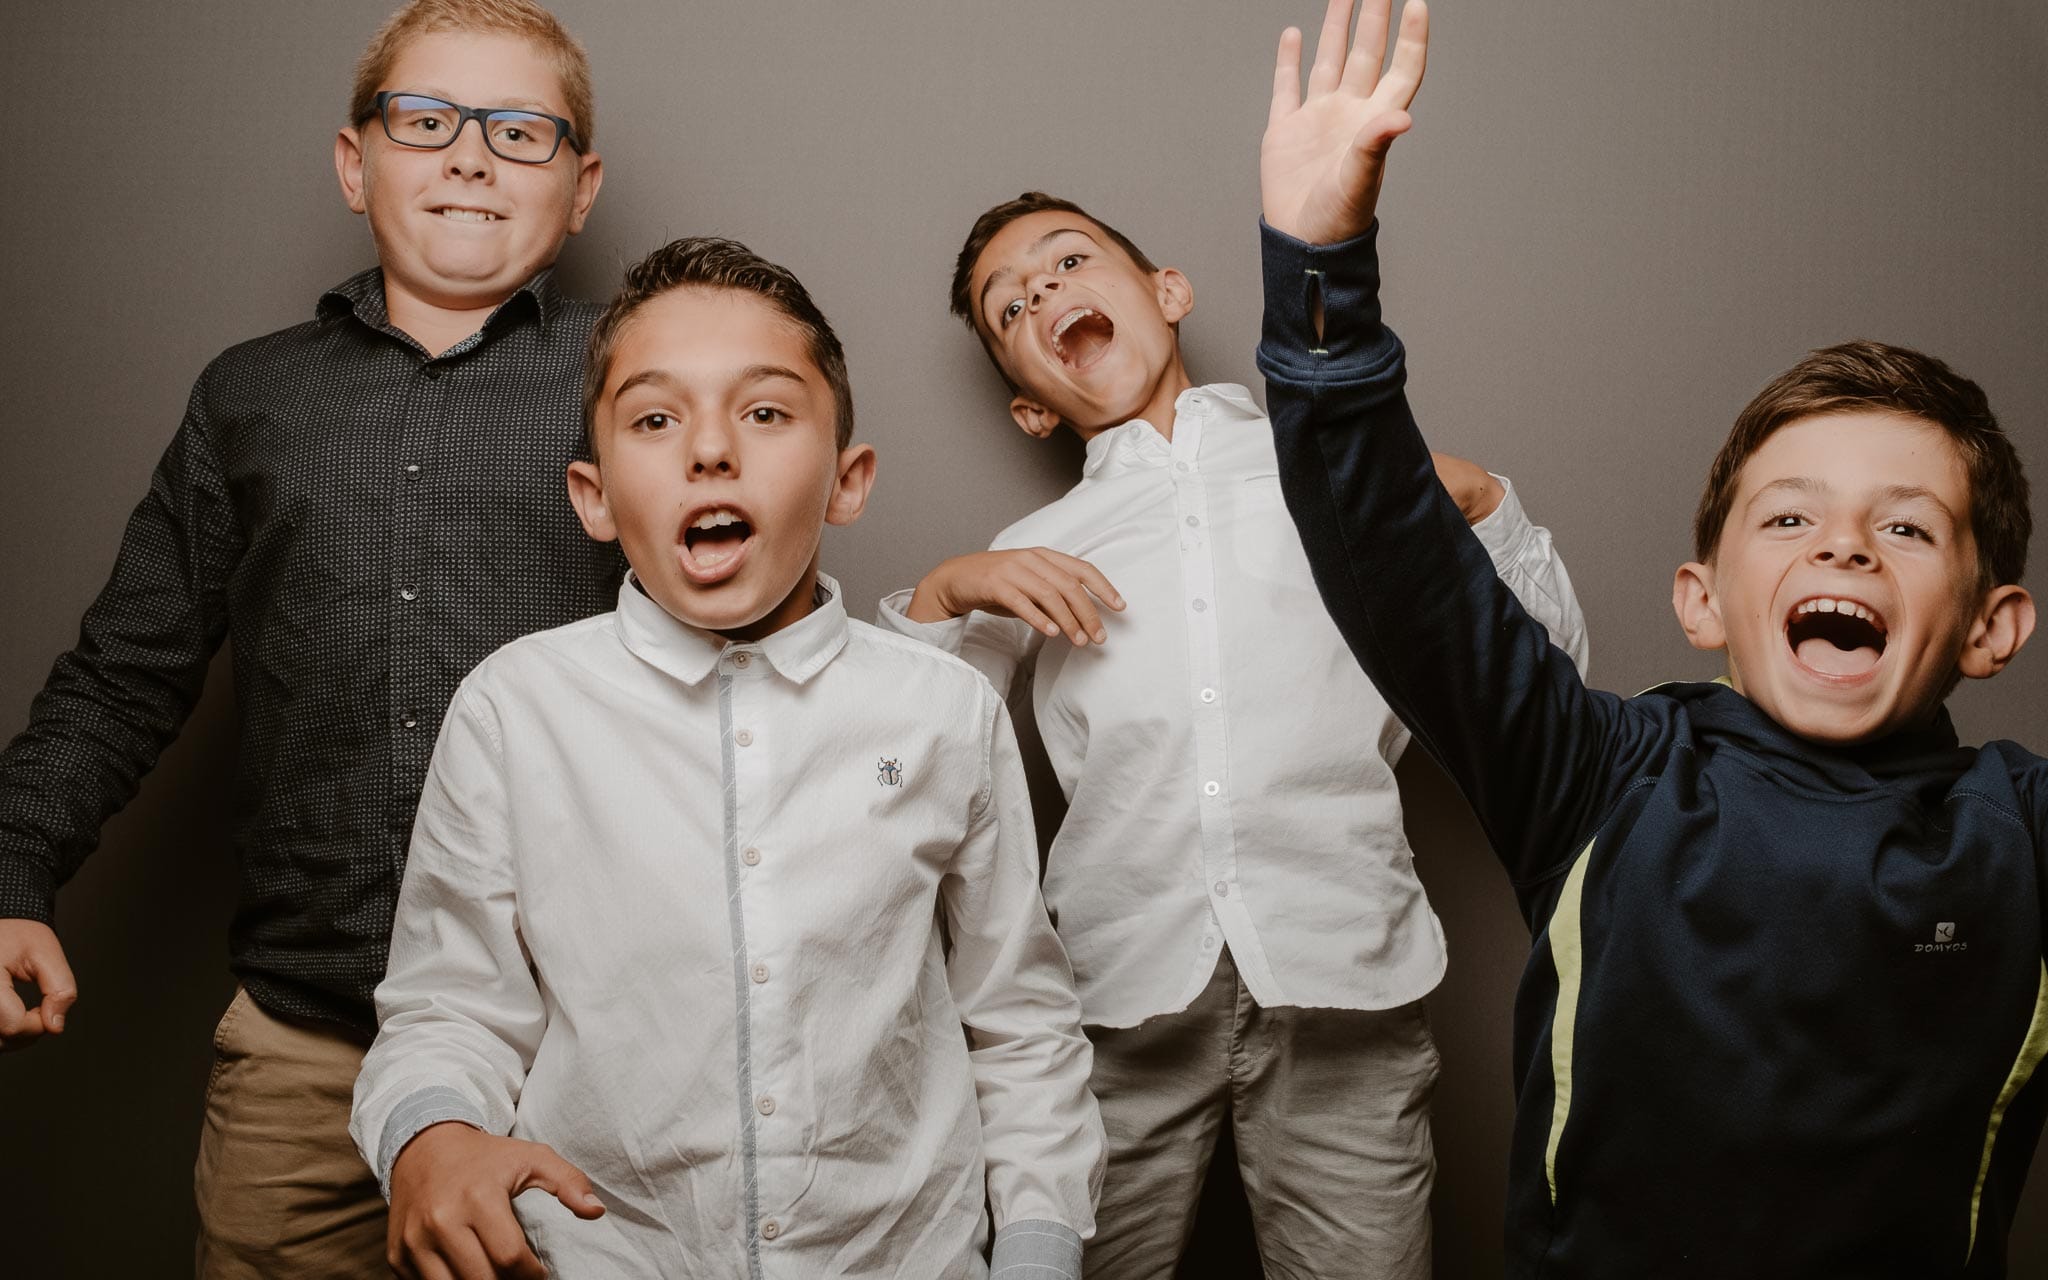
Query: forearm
(1410, 586)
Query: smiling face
(718, 468)
(1084, 334)
(460, 228)
(1846, 585)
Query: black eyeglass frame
(564, 131)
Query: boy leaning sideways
(1231, 879)
(1787, 996)
(704, 892)
(367, 503)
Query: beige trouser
(1330, 1112)
(281, 1190)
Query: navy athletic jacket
(1785, 1003)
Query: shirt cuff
(1506, 528)
(1035, 1250)
(27, 890)
(1340, 283)
(893, 614)
(415, 1113)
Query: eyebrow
(981, 304)
(508, 104)
(668, 381)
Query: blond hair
(495, 17)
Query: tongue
(1824, 656)
(1085, 339)
(715, 546)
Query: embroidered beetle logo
(889, 772)
(1945, 931)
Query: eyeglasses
(523, 137)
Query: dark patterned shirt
(365, 523)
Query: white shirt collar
(798, 651)
(1138, 444)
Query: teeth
(715, 519)
(1831, 605)
(468, 215)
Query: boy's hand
(1470, 485)
(29, 951)
(1053, 592)
(1322, 159)
(451, 1203)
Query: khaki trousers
(281, 1190)
(1330, 1112)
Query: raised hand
(451, 1203)
(1054, 592)
(1323, 156)
(29, 951)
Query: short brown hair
(707, 262)
(994, 220)
(1872, 375)
(493, 17)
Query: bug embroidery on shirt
(889, 772)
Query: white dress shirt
(709, 919)
(1228, 768)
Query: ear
(1697, 607)
(348, 166)
(850, 489)
(1176, 294)
(1035, 418)
(589, 177)
(586, 494)
(2002, 626)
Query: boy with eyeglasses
(367, 503)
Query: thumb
(563, 1181)
(52, 973)
(1372, 141)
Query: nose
(468, 156)
(1845, 544)
(712, 450)
(1043, 286)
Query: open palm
(1324, 154)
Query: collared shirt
(365, 522)
(1228, 768)
(709, 919)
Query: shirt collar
(1138, 444)
(362, 295)
(797, 652)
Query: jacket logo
(889, 772)
(1944, 939)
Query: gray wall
(1612, 223)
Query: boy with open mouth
(1232, 878)
(1787, 998)
(704, 892)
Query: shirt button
(739, 659)
(1180, 466)
(744, 737)
(767, 1105)
(1194, 522)
(409, 720)
(1208, 695)
(770, 1229)
(1208, 944)
(752, 857)
(408, 593)
(1222, 889)
(760, 973)
(412, 470)
(1212, 788)
(1200, 604)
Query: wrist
(927, 602)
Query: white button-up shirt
(709, 919)
(1228, 768)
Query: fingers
(1286, 77)
(45, 964)
(1411, 57)
(1329, 64)
(1368, 47)
(505, 1245)
(562, 1180)
(1091, 577)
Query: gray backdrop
(1613, 221)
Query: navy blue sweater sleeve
(1539, 756)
